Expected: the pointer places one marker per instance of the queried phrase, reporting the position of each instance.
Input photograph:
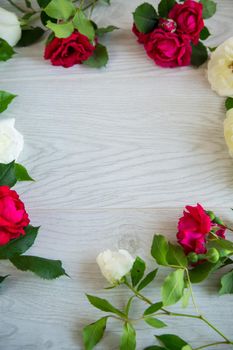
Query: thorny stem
(174, 314)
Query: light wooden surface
(116, 153)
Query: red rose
(167, 24)
(142, 38)
(188, 18)
(168, 49)
(193, 229)
(69, 51)
(13, 216)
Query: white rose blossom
(11, 141)
(220, 69)
(228, 131)
(115, 264)
(10, 29)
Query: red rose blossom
(167, 24)
(142, 38)
(193, 229)
(168, 49)
(69, 51)
(189, 19)
(13, 216)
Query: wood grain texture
(102, 143)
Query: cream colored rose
(220, 69)
(10, 29)
(11, 141)
(115, 265)
(228, 131)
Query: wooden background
(117, 153)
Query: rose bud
(114, 265)
(212, 255)
(211, 214)
(193, 258)
(167, 24)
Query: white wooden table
(117, 153)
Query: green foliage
(145, 18)
(209, 8)
(153, 308)
(30, 36)
(176, 256)
(103, 305)
(44, 268)
(62, 30)
(229, 103)
(13, 172)
(159, 249)
(128, 339)
(6, 51)
(227, 283)
(99, 58)
(60, 9)
(7, 174)
(137, 271)
(173, 287)
(186, 297)
(104, 30)
(43, 3)
(200, 272)
(19, 245)
(93, 333)
(171, 341)
(21, 173)
(165, 6)
(199, 54)
(84, 25)
(154, 322)
(224, 243)
(147, 280)
(154, 347)
(5, 99)
(204, 33)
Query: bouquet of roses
(173, 35)
(203, 249)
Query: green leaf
(30, 36)
(62, 30)
(45, 268)
(99, 58)
(7, 174)
(145, 18)
(209, 8)
(176, 256)
(227, 283)
(137, 271)
(159, 249)
(186, 347)
(93, 333)
(43, 3)
(154, 347)
(103, 304)
(229, 103)
(153, 308)
(21, 173)
(224, 243)
(186, 297)
(204, 33)
(60, 9)
(84, 25)
(147, 280)
(104, 30)
(5, 99)
(165, 6)
(6, 51)
(45, 18)
(199, 54)
(154, 322)
(128, 339)
(19, 245)
(2, 278)
(128, 305)
(200, 272)
(171, 341)
(173, 287)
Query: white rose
(11, 141)
(115, 265)
(10, 29)
(220, 69)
